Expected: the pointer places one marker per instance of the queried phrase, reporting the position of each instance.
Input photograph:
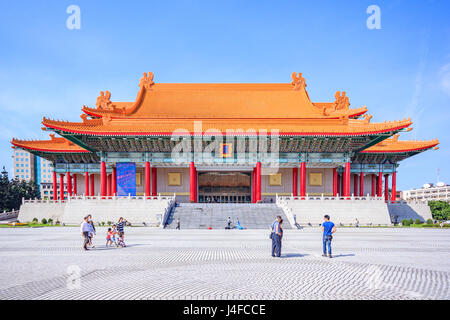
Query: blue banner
(126, 178)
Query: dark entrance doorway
(224, 187)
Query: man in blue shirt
(328, 229)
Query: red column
(109, 188)
(86, 183)
(69, 184)
(394, 187)
(114, 181)
(55, 186)
(335, 182)
(303, 180)
(61, 186)
(374, 185)
(258, 181)
(192, 182)
(355, 185)
(294, 181)
(347, 179)
(361, 184)
(380, 184)
(386, 187)
(155, 182)
(339, 184)
(103, 179)
(147, 178)
(254, 186)
(75, 185)
(92, 185)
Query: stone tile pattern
(372, 263)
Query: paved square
(376, 263)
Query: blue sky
(401, 70)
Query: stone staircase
(400, 211)
(215, 215)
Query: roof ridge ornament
(104, 101)
(367, 118)
(146, 81)
(106, 119)
(298, 82)
(395, 137)
(84, 118)
(342, 101)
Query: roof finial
(298, 81)
(146, 81)
(342, 101)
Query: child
(109, 237)
(120, 242)
(114, 232)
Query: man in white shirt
(85, 228)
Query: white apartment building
(428, 192)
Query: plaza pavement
(376, 263)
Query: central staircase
(215, 215)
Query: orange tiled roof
(53, 145)
(393, 145)
(145, 126)
(223, 100)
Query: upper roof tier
(108, 126)
(54, 145)
(223, 100)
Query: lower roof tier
(63, 150)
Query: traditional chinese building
(225, 143)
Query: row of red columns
(377, 185)
(108, 183)
(72, 189)
(341, 184)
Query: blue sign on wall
(126, 178)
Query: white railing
(9, 215)
(159, 197)
(282, 203)
(325, 197)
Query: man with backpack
(328, 228)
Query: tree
(12, 191)
(4, 190)
(440, 210)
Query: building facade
(225, 143)
(427, 194)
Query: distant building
(428, 192)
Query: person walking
(85, 228)
(228, 223)
(276, 237)
(92, 232)
(121, 227)
(328, 228)
(178, 224)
